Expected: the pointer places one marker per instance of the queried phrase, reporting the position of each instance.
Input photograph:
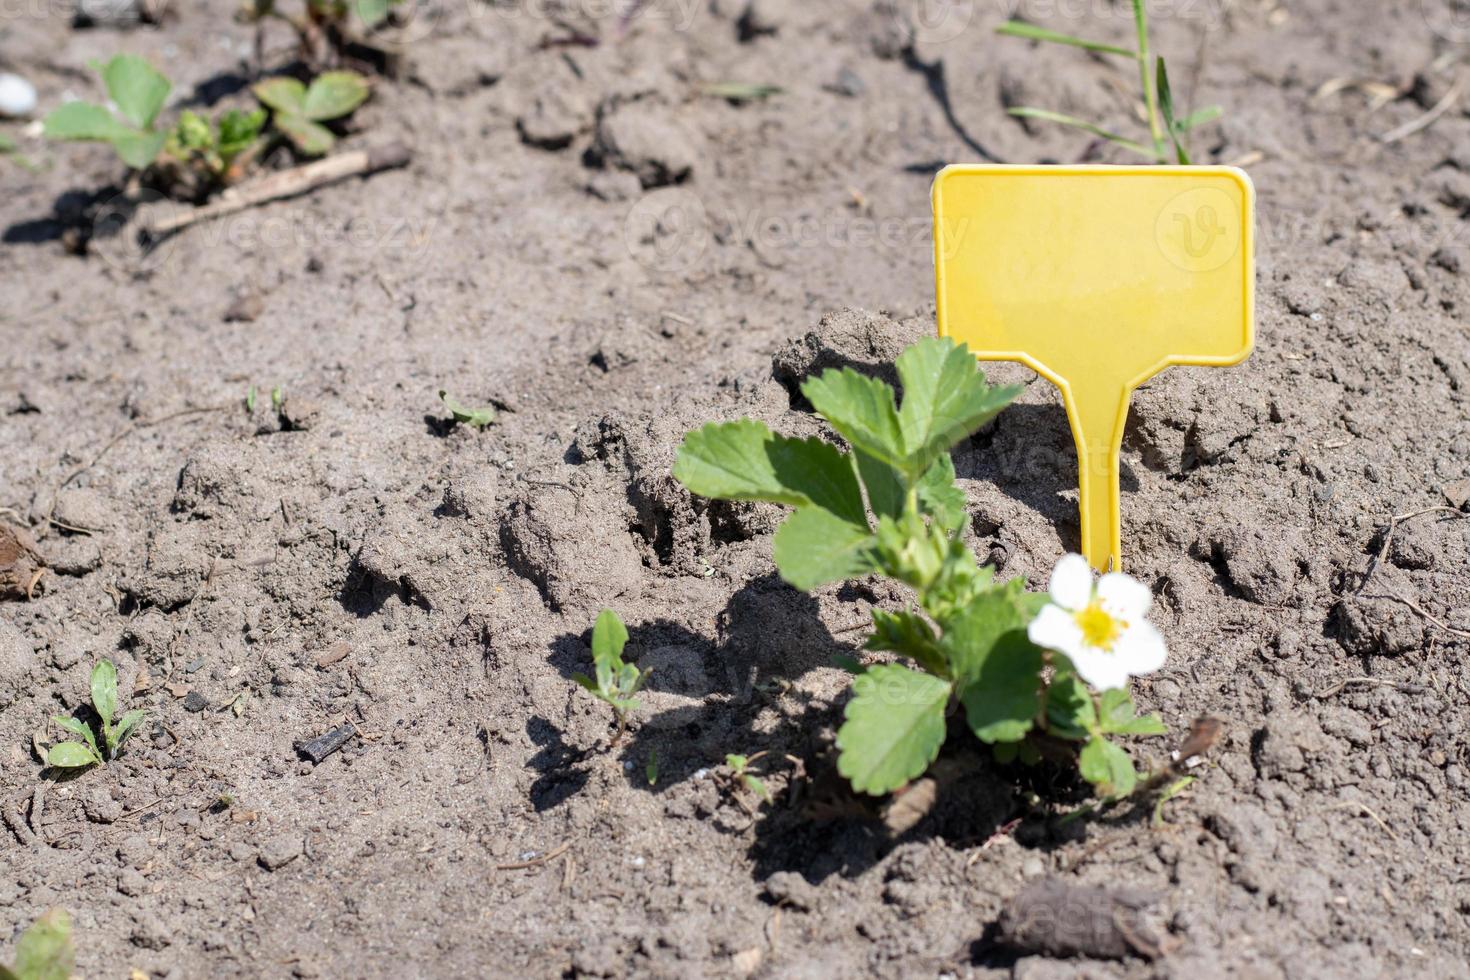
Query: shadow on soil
(740, 700)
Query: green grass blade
(1166, 106)
(1150, 97)
(1028, 112)
(1031, 32)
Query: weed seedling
(1165, 127)
(741, 776)
(89, 752)
(44, 951)
(301, 109)
(477, 418)
(1015, 662)
(650, 769)
(617, 682)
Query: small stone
(280, 851)
(17, 96)
(850, 84)
(194, 702)
(100, 807)
(241, 851)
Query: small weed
(650, 770)
(44, 951)
(250, 396)
(1166, 128)
(741, 776)
(89, 752)
(617, 682)
(327, 30)
(477, 418)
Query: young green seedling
(301, 109)
(477, 418)
(44, 951)
(89, 752)
(215, 149)
(194, 153)
(617, 682)
(741, 775)
(1165, 128)
(969, 637)
(138, 90)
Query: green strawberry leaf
(894, 728)
(138, 150)
(1070, 712)
(945, 399)
(862, 410)
(312, 139)
(609, 636)
(972, 633)
(45, 952)
(136, 88)
(283, 94)
(744, 460)
(1002, 701)
(940, 498)
(1107, 767)
(815, 546)
(333, 95)
(83, 121)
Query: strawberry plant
(301, 109)
(1017, 664)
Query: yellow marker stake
(1097, 278)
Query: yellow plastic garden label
(1097, 278)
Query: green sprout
(215, 149)
(741, 775)
(88, 752)
(477, 418)
(301, 109)
(650, 770)
(325, 29)
(44, 951)
(1165, 126)
(617, 682)
(967, 634)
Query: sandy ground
(587, 242)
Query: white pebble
(701, 773)
(17, 96)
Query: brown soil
(584, 240)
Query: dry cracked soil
(589, 242)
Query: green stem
(1150, 94)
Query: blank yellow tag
(1097, 278)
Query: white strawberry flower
(1100, 628)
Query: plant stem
(1150, 94)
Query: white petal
(1100, 669)
(1141, 649)
(1124, 597)
(1055, 629)
(1071, 582)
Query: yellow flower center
(1099, 628)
